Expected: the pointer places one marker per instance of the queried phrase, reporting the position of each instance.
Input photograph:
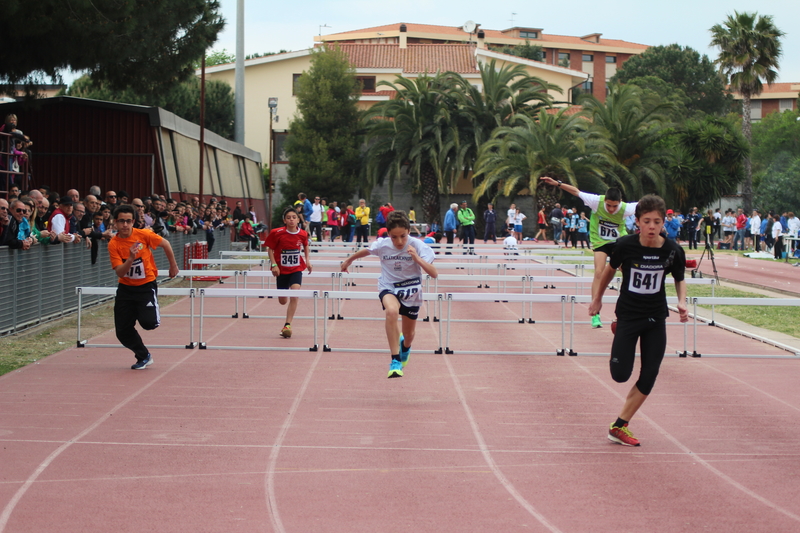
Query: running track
(252, 441)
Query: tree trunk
(429, 187)
(747, 185)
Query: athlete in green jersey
(606, 225)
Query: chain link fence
(38, 285)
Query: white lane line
(272, 500)
(4, 518)
(765, 393)
(694, 456)
(487, 456)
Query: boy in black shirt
(645, 259)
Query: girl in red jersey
(288, 255)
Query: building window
(587, 86)
(279, 153)
(588, 57)
(786, 104)
(563, 59)
(611, 59)
(367, 83)
(529, 34)
(295, 79)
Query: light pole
(273, 116)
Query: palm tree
(504, 93)
(416, 128)
(707, 161)
(559, 145)
(635, 125)
(749, 50)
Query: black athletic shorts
(285, 281)
(410, 312)
(607, 248)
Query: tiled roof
(491, 35)
(571, 110)
(417, 58)
(781, 88)
(774, 89)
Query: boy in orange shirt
(137, 292)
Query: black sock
(395, 357)
(620, 422)
(403, 345)
(287, 324)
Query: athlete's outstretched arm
(564, 186)
(680, 289)
(364, 252)
(424, 265)
(605, 279)
(173, 265)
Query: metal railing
(38, 285)
(7, 158)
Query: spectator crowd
(45, 217)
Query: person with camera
(645, 260)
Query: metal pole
(191, 318)
(203, 118)
(80, 305)
(238, 91)
(271, 176)
(202, 312)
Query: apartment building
(778, 97)
(276, 76)
(591, 54)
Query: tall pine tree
(324, 138)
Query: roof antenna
(323, 26)
(512, 17)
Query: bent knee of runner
(620, 372)
(646, 381)
(392, 313)
(149, 325)
(282, 300)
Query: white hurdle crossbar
(111, 291)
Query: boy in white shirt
(403, 262)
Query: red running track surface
(230, 440)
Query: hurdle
(111, 291)
(349, 295)
(237, 293)
(220, 262)
(494, 297)
(567, 346)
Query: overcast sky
(270, 27)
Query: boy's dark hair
(397, 219)
(302, 196)
(124, 208)
(613, 194)
(287, 211)
(649, 203)
(438, 236)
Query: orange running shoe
(286, 331)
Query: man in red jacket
(741, 222)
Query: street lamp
(273, 116)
